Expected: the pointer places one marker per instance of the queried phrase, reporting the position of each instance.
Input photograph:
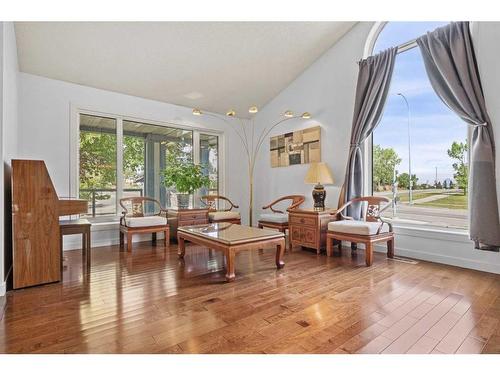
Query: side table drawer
(184, 223)
(192, 216)
(301, 220)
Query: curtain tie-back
(355, 144)
(483, 124)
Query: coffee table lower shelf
(230, 249)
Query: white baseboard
(443, 259)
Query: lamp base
(319, 195)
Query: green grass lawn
(453, 201)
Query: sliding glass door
(122, 158)
(209, 159)
(144, 157)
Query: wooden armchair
(370, 230)
(216, 215)
(278, 219)
(134, 220)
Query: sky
(433, 126)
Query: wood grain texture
(35, 220)
(72, 206)
(149, 301)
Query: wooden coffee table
(231, 238)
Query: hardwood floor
(149, 301)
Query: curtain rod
(402, 47)
(406, 46)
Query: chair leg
(369, 254)
(340, 247)
(84, 248)
(260, 226)
(289, 247)
(153, 237)
(166, 240)
(329, 246)
(390, 248)
(129, 242)
(88, 250)
(122, 241)
(354, 246)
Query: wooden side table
(79, 226)
(180, 217)
(308, 227)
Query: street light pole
(410, 183)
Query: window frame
(367, 146)
(74, 165)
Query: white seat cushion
(275, 217)
(146, 221)
(365, 228)
(223, 215)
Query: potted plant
(182, 175)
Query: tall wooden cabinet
(36, 250)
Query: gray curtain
(374, 79)
(451, 66)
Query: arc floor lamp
(251, 141)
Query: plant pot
(183, 200)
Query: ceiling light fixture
(197, 112)
(231, 113)
(306, 115)
(288, 113)
(253, 109)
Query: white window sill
(105, 225)
(438, 233)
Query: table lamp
(319, 174)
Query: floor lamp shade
(319, 174)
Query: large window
(98, 164)
(420, 137)
(121, 158)
(209, 158)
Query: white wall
(44, 118)
(327, 89)
(9, 121)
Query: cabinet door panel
(296, 234)
(309, 236)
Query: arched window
(418, 136)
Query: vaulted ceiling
(211, 65)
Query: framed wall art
(298, 147)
